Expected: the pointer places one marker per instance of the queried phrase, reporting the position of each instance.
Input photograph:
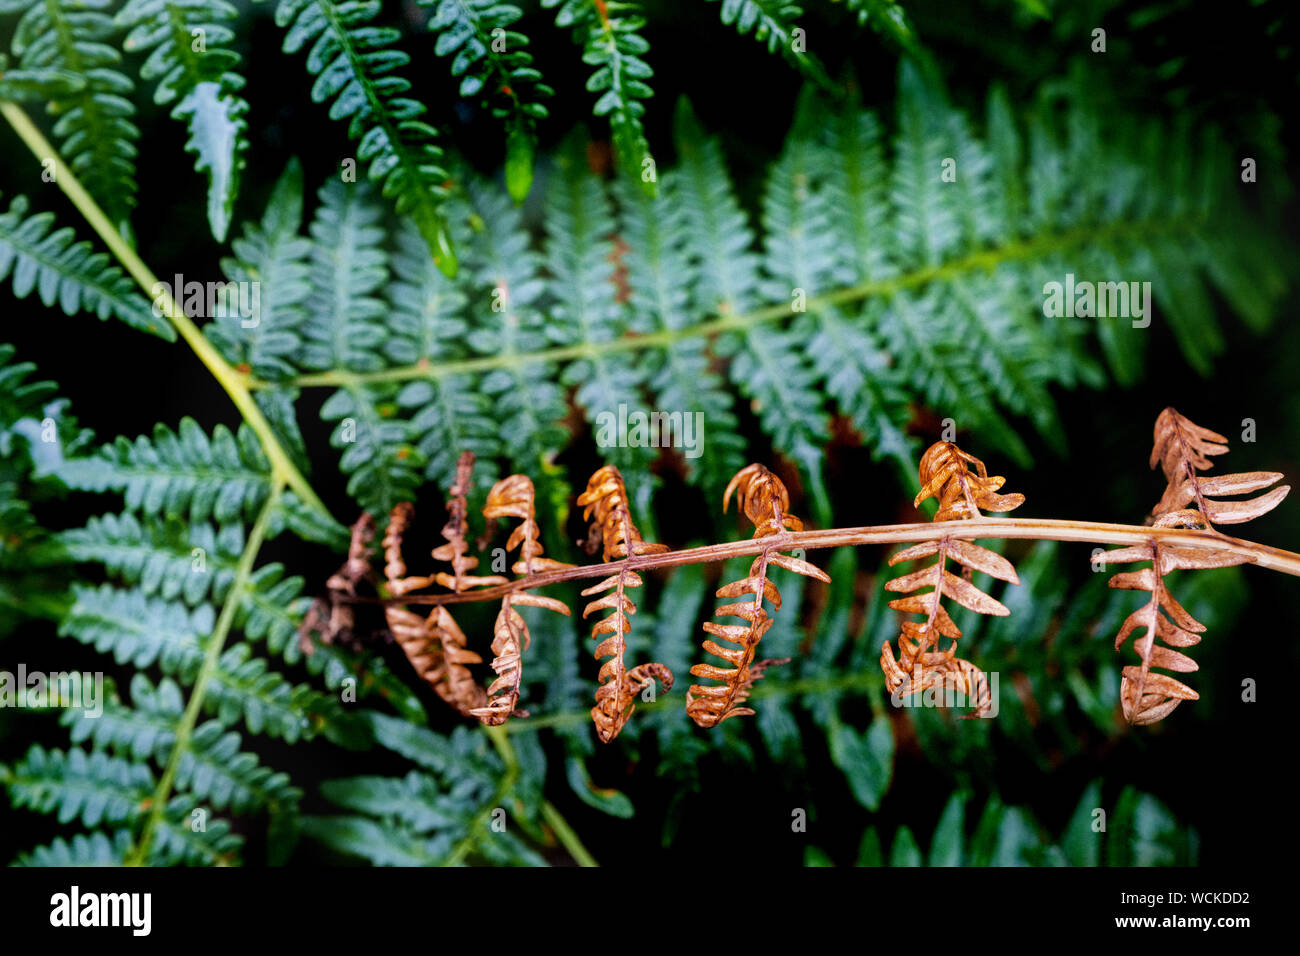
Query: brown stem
(1050, 529)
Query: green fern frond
(182, 474)
(195, 70)
(212, 769)
(354, 63)
(68, 273)
(429, 818)
(427, 324)
(766, 363)
(274, 254)
(84, 849)
(607, 30)
(773, 24)
(97, 137)
(585, 307)
(94, 788)
(496, 67)
(527, 402)
(889, 19)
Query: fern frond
(84, 849)
(194, 70)
(766, 364)
(496, 67)
(274, 254)
(514, 497)
(212, 769)
(660, 275)
(182, 474)
(580, 259)
(803, 259)
(427, 325)
(355, 66)
(765, 501)
(945, 474)
(96, 134)
(605, 504)
(1181, 448)
(528, 405)
(69, 273)
(773, 25)
(94, 788)
(608, 33)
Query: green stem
(986, 260)
(216, 643)
(566, 836)
(234, 382)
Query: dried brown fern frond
(945, 473)
(456, 532)
(605, 505)
(332, 617)
(435, 645)
(764, 500)
(514, 497)
(1182, 448)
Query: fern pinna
(764, 500)
(1181, 449)
(921, 665)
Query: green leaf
(867, 760)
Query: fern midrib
(986, 260)
(216, 643)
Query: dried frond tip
(1181, 448)
(945, 474)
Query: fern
(67, 273)
(444, 813)
(354, 64)
(196, 72)
(96, 133)
(1142, 832)
(772, 23)
(607, 31)
(494, 66)
(182, 473)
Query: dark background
(1232, 64)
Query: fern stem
(566, 835)
(1050, 529)
(235, 383)
(216, 643)
(986, 260)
